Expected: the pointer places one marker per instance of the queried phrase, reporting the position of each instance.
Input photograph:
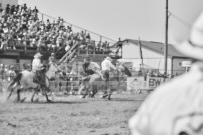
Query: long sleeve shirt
(107, 65)
(36, 65)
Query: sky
(127, 19)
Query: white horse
(24, 81)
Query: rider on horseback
(38, 68)
(106, 67)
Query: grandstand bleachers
(24, 31)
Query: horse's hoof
(65, 93)
(104, 96)
(32, 100)
(50, 101)
(83, 96)
(37, 100)
(22, 100)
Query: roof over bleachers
(157, 47)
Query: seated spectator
(104, 46)
(98, 46)
(35, 10)
(88, 36)
(119, 44)
(24, 7)
(7, 9)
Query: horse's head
(122, 68)
(54, 68)
(51, 71)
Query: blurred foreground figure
(176, 107)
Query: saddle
(36, 79)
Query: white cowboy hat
(38, 55)
(193, 47)
(108, 58)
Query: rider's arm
(95, 65)
(112, 66)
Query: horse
(24, 81)
(95, 82)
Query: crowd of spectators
(21, 28)
(8, 72)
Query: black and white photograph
(101, 67)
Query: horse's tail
(16, 79)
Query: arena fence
(119, 83)
(69, 85)
(70, 82)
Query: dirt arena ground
(69, 115)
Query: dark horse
(24, 81)
(97, 82)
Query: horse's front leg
(80, 89)
(32, 98)
(94, 91)
(12, 89)
(86, 93)
(109, 93)
(105, 93)
(18, 95)
(45, 90)
(47, 98)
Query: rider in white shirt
(107, 66)
(37, 68)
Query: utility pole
(166, 41)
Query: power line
(180, 20)
(79, 27)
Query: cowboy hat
(108, 58)
(38, 55)
(193, 47)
